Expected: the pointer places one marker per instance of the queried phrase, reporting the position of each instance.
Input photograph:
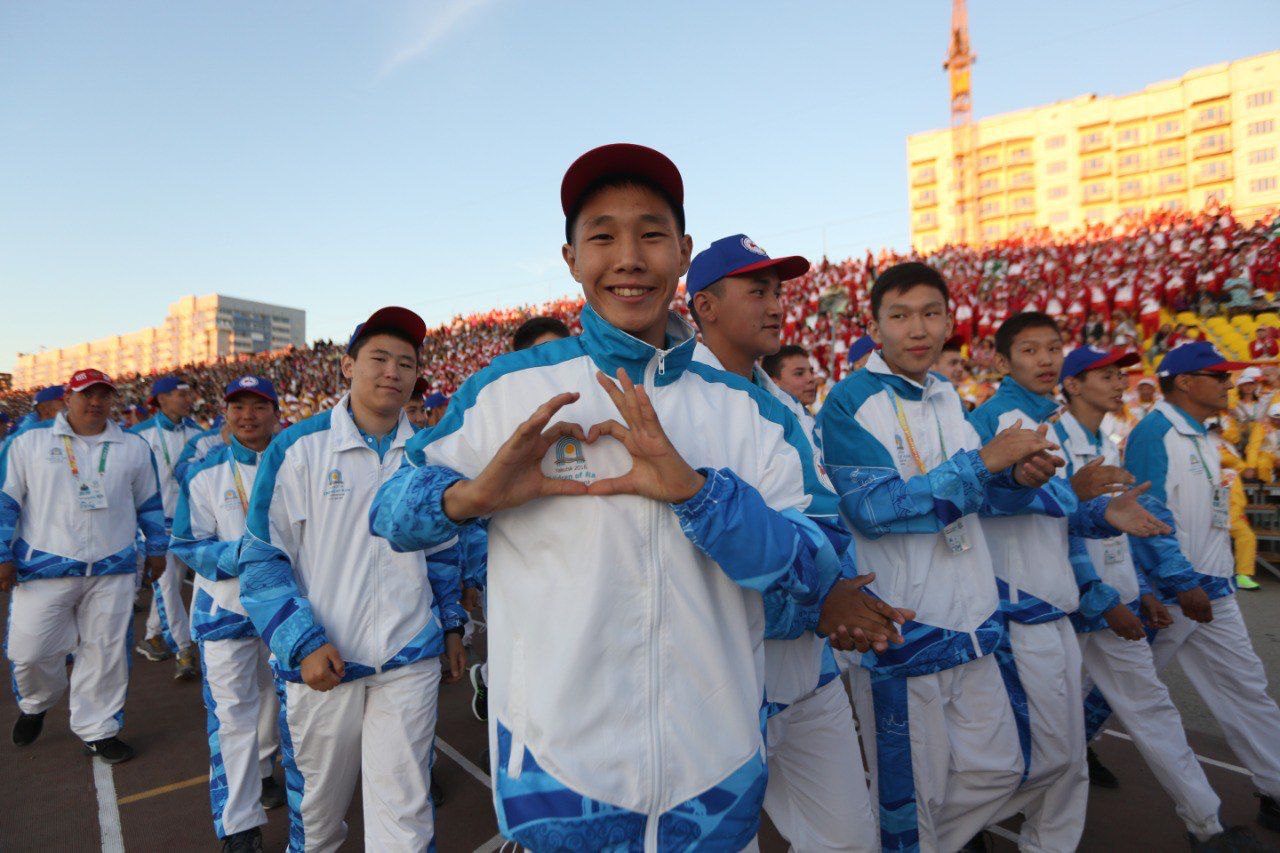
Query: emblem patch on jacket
(570, 461)
(334, 487)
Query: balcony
(924, 176)
(1171, 157)
(1093, 142)
(1211, 117)
(1218, 143)
(1022, 180)
(1128, 138)
(1019, 156)
(1094, 168)
(1131, 190)
(1129, 164)
(1220, 172)
(988, 162)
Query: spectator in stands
(860, 351)
(791, 369)
(433, 408)
(1265, 345)
(413, 407)
(538, 330)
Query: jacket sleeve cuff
(1097, 599)
(312, 640)
(985, 474)
(692, 508)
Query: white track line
(466, 765)
(108, 811)
(492, 844)
(1212, 762)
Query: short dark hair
(772, 364)
(1167, 385)
(616, 182)
(535, 327)
(1019, 323)
(716, 287)
(903, 277)
(954, 345)
(366, 335)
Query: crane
(960, 58)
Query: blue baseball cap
(1194, 356)
(164, 385)
(48, 395)
(391, 318)
(251, 385)
(435, 401)
(862, 346)
(737, 255)
(1083, 359)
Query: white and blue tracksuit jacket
(197, 447)
(42, 527)
(1173, 451)
(1031, 548)
(626, 653)
(207, 528)
(166, 440)
(311, 574)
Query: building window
(1214, 143)
(1020, 155)
(1057, 192)
(989, 208)
(1097, 189)
(1091, 140)
(1022, 179)
(1209, 116)
(1215, 171)
(1131, 210)
(987, 161)
(1169, 127)
(1055, 142)
(1262, 185)
(1262, 155)
(1129, 136)
(1258, 99)
(927, 197)
(1171, 181)
(928, 220)
(1258, 128)
(988, 185)
(1093, 166)
(1131, 187)
(927, 175)
(1057, 166)
(1169, 154)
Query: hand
(514, 475)
(1011, 446)
(455, 658)
(1154, 613)
(1195, 605)
(1126, 626)
(322, 669)
(851, 619)
(8, 575)
(1125, 514)
(1037, 470)
(1095, 479)
(470, 598)
(657, 470)
(153, 567)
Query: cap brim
(393, 317)
(1227, 366)
(792, 266)
(226, 398)
(88, 385)
(621, 158)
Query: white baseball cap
(1249, 374)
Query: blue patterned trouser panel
(725, 817)
(431, 775)
(118, 716)
(538, 812)
(1017, 700)
(158, 596)
(293, 781)
(217, 772)
(1096, 714)
(8, 627)
(895, 777)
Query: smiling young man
(355, 629)
(1115, 599)
(734, 294)
(791, 370)
(938, 731)
(1208, 636)
(1040, 658)
(74, 492)
(656, 511)
(167, 432)
(239, 695)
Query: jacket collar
(611, 348)
(164, 422)
(1016, 397)
(1076, 432)
(345, 435)
(111, 433)
(703, 353)
(242, 454)
(1181, 421)
(908, 389)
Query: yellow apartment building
(1211, 134)
(197, 329)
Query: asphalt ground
(52, 797)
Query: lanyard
(75, 467)
(235, 474)
(906, 431)
(164, 445)
(1195, 442)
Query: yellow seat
(1188, 318)
(1269, 318)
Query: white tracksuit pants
(1219, 660)
(1124, 671)
(168, 616)
(380, 728)
(814, 796)
(240, 700)
(951, 737)
(1056, 793)
(90, 617)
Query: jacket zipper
(657, 366)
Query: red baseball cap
(391, 317)
(82, 379)
(621, 158)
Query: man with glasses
(1171, 449)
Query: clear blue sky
(341, 156)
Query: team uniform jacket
(655, 734)
(1173, 451)
(56, 539)
(310, 575)
(197, 447)
(206, 531)
(883, 493)
(1034, 574)
(166, 440)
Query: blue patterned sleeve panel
(786, 619)
(407, 510)
(268, 588)
(757, 546)
(1007, 497)
(473, 540)
(194, 540)
(12, 492)
(1089, 521)
(444, 571)
(1160, 557)
(149, 508)
(1096, 597)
